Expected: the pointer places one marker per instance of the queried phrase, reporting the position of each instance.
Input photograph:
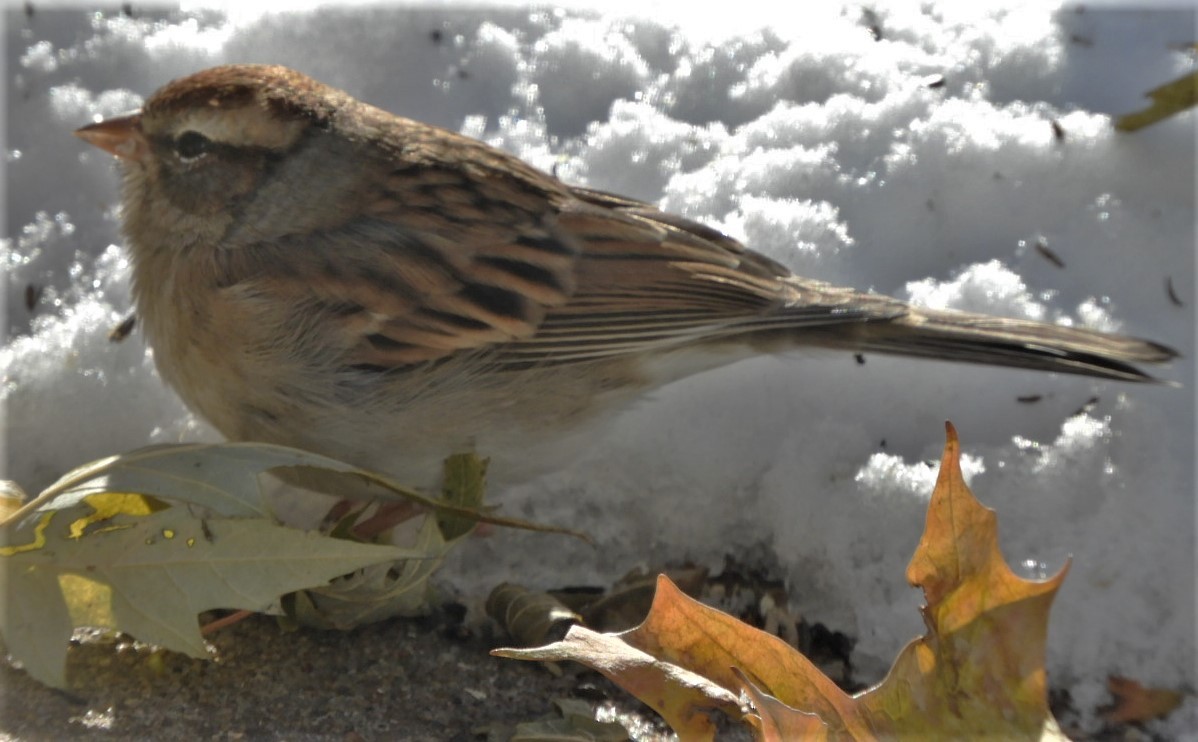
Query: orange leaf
(774, 721)
(979, 670)
(980, 667)
(700, 638)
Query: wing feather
(442, 266)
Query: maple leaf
(979, 670)
(980, 667)
(151, 575)
(145, 541)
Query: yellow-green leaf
(1167, 100)
(152, 575)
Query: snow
(819, 146)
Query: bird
(313, 271)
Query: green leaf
(1167, 100)
(34, 619)
(464, 483)
(143, 542)
(378, 591)
(158, 573)
(224, 477)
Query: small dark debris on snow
(1088, 406)
(1172, 293)
(1048, 254)
(121, 331)
(33, 294)
(872, 22)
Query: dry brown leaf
(979, 671)
(980, 667)
(774, 721)
(686, 700)
(528, 616)
(687, 633)
(1135, 703)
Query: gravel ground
(423, 679)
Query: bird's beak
(122, 136)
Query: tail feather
(972, 338)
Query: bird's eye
(191, 144)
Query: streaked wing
(446, 264)
(438, 261)
(648, 280)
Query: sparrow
(316, 272)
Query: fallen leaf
(980, 667)
(143, 542)
(1169, 99)
(150, 577)
(12, 498)
(686, 700)
(978, 672)
(463, 483)
(1135, 703)
(377, 591)
(225, 478)
(528, 616)
(774, 721)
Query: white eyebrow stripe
(249, 126)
